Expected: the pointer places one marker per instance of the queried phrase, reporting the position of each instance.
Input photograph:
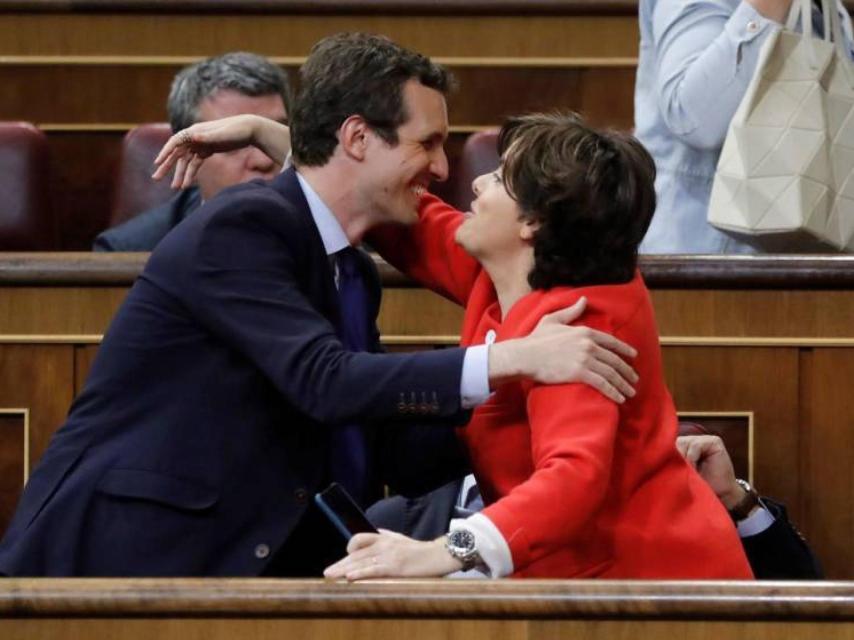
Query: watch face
(461, 539)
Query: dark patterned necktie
(349, 450)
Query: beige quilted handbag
(786, 169)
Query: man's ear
(353, 137)
(528, 230)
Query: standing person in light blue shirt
(696, 60)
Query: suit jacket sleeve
(423, 518)
(144, 231)
(780, 552)
(240, 277)
(428, 252)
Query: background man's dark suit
(200, 438)
(144, 231)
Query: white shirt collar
(331, 233)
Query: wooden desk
(762, 346)
(212, 609)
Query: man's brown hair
(355, 74)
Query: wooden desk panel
(212, 609)
(350, 629)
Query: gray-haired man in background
(226, 85)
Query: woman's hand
(187, 149)
(391, 555)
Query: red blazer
(578, 485)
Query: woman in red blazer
(575, 485)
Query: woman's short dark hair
(592, 193)
(355, 74)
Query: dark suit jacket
(202, 432)
(778, 553)
(144, 231)
(781, 552)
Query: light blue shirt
(696, 60)
(474, 383)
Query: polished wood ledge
(559, 7)
(528, 599)
(660, 272)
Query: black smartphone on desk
(343, 511)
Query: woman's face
(494, 228)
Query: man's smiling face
(397, 175)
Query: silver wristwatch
(460, 543)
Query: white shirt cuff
(490, 544)
(755, 523)
(474, 384)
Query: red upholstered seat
(27, 222)
(693, 429)
(135, 191)
(480, 155)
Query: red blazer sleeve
(573, 431)
(427, 251)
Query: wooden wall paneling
(736, 379)
(333, 7)
(488, 94)
(728, 315)
(107, 95)
(84, 355)
(418, 312)
(686, 314)
(784, 314)
(38, 378)
(50, 311)
(91, 93)
(293, 35)
(828, 439)
(687, 630)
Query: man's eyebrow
(436, 136)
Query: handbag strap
(831, 14)
(801, 10)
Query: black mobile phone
(343, 511)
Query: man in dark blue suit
(223, 397)
(230, 84)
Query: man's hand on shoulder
(556, 352)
